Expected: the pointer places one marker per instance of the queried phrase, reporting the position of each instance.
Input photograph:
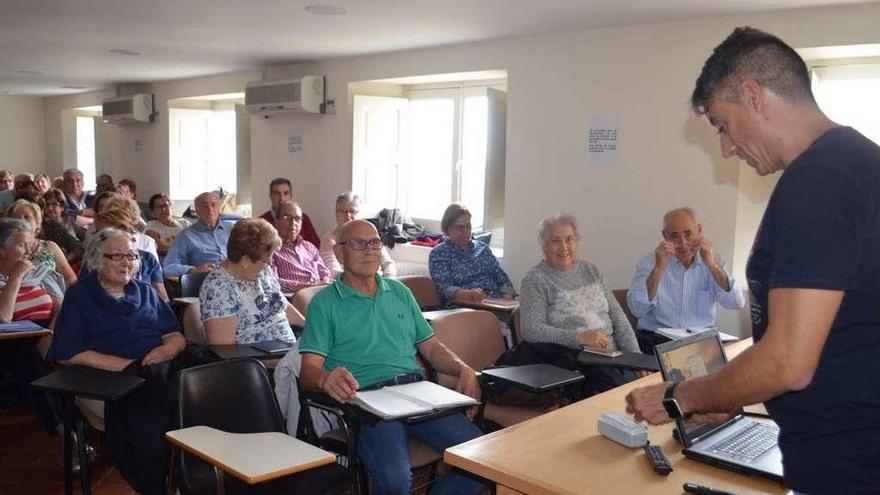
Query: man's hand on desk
(339, 384)
(646, 404)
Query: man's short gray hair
(94, 256)
(8, 228)
(348, 197)
(547, 224)
(71, 172)
(684, 209)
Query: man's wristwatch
(673, 409)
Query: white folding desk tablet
(250, 457)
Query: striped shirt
(298, 262)
(32, 303)
(685, 297)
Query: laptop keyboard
(749, 443)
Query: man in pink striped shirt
(298, 263)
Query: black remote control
(658, 459)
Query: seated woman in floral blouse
(241, 300)
(464, 269)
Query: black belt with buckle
(397, 380)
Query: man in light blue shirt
(678, 284)
(201, 246)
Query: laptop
(739, 444)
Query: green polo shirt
(373, 338)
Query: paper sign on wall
(295, 149)
(138, 145)
(602, 140)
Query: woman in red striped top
(27, 291)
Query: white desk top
(250, 457)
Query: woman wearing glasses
(120, 213)
(464, 269)
(111, 321)
(347, 205)
(241, 300)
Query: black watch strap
(673, 409)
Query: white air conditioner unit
(128, 110)
(301, 95)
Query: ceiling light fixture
(29, 72)
(325, 9)
(124, 51)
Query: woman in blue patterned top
(464, 269)
(241, 300)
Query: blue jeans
(384, 449)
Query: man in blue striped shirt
(678, 284)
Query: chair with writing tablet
(190, 283)
(236, 397)
(513, 394)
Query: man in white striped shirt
(298, 263)
(678, 284)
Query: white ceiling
(66, 42)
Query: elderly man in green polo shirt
(363, 331)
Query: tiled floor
(30, 459)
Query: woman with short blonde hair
(43, 252)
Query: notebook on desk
(680, 333)
(738, 444)
(20, 326)
(411, 399)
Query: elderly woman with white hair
(112, 321)
(347, 207)
(565, 305)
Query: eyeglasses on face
(131, 256)
(462, 227)
(361, 244)
(292, 218)
(349, 211)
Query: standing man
(201, 246)
(814, 273)
(297, 263)
(280, 189)
(678, 284)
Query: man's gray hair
(94, 256)
(684, 209)
(547, 224)
(8, 228)
(205, 194)
(348, 197)
(71, 172)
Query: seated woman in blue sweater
(110, 320)
(464, 269)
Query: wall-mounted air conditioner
(128, 109)
(301, 95)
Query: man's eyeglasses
(361, 244)
(462, 227)
(291, 218)
(348, 212)
(133, 256)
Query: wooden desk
(250, 457)
(437, 313)
(562, 452)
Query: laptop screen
(692, 357)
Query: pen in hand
(703, 490)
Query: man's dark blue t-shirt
(821, 230)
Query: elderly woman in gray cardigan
(565, 305)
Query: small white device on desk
(623, 430)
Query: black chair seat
(325, 480)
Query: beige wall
(22, 134)
(641, 74)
